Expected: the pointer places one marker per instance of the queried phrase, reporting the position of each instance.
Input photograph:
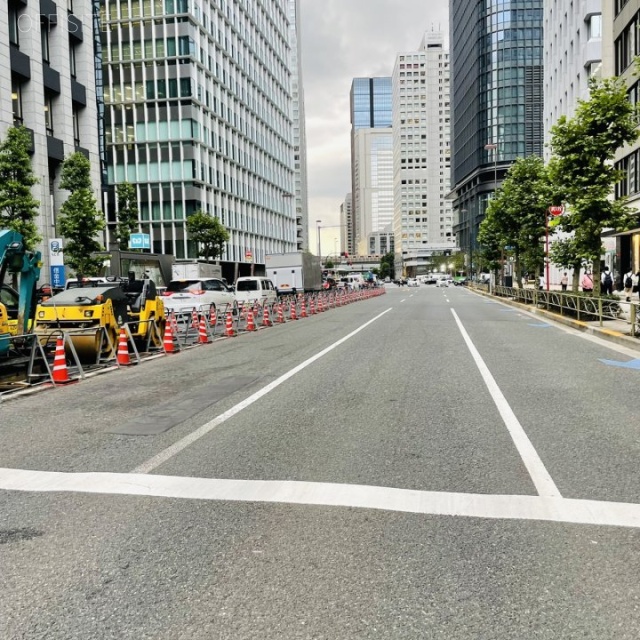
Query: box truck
(194, 270)
(294, 272)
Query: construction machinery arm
(15, 259)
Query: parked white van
(252, 288)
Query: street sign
(139, 241)
(556, 211)
(57, 276)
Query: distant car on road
(443, 282)
(413, 282)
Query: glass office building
(371, 103)
(497, 99)
(199, 117)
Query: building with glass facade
(199, 117)
(497, 99)
(621, 46)
(300, 194)
(422, 223)
(47, 84)
(371, 108)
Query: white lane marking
(506, 507)
(403, 300)
(175, 448)
(541, 478)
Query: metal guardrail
(582, 307)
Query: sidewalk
(617, 331)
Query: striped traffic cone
(266, 320)
(203, 336)
(293, 314)
(213, 316)
(194, 318)
(229, 331)
(312, 307)
(167, 341)
(123, 349)
(280, 317)
(303, 309)
(250, 323)
(60, 371)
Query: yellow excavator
(93, 312)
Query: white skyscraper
(373, 183)
(422, 222)
(572, 54)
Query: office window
(48, 114)
(16, 101)
(76, 128)
(14, 31)
(44, 40)
(72, 60)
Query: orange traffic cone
(167, 343)
(203, 336)
(303, 309)
(312, 307)
(213, 316)
(229, 331)
(266, 320)
(123, 349)
(60, 371)
(293, 315)
(251, 326)
(194, 318)
(280, 316)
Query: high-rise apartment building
(371, 108)
(300, 193)
(497, 100)
(47, 84)
(621, 46)
(422, 223)
(199, 117)
(572, 55)
(346, 212)
(373, 183)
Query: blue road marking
(541, 325)
(631, 364)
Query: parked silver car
(182, 296)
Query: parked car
(182, 296)
(413, 282)
(251, 288)
(443, 282)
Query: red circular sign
(556, 211)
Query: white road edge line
(178, 446)
(504, 507)
(541, 479)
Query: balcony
(55, 149)
(20, 64)
(49, 11)
(74, 27)
(78, 93)
(50, 78)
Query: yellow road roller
(93, 316)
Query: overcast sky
(342, 40)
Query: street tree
(386, 269)
(582, 168)
(80, 221)
(128, 213)
(18, 207)
(565, 254)
(208, 233)
(517, 213)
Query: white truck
(194, 270)
(294, 272)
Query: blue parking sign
(57, 276)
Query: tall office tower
(572, 55)
(47, 84)
(422, 223)
(346, 212)
(300, 194)
(373, 184)
(371, 103)
(199, 110)
(497, 100)
(620, 46)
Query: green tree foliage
(209, 234)
(582, 169)
(127, 213)
(516, 216)
(18, 207)
(386, 269)
(80, 220)
(566, 255)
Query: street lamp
(318, 223)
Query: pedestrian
(564, 281)
(587, 282)
(628, 285)
(607, 282)
(540, 283)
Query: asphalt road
(425, 464)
